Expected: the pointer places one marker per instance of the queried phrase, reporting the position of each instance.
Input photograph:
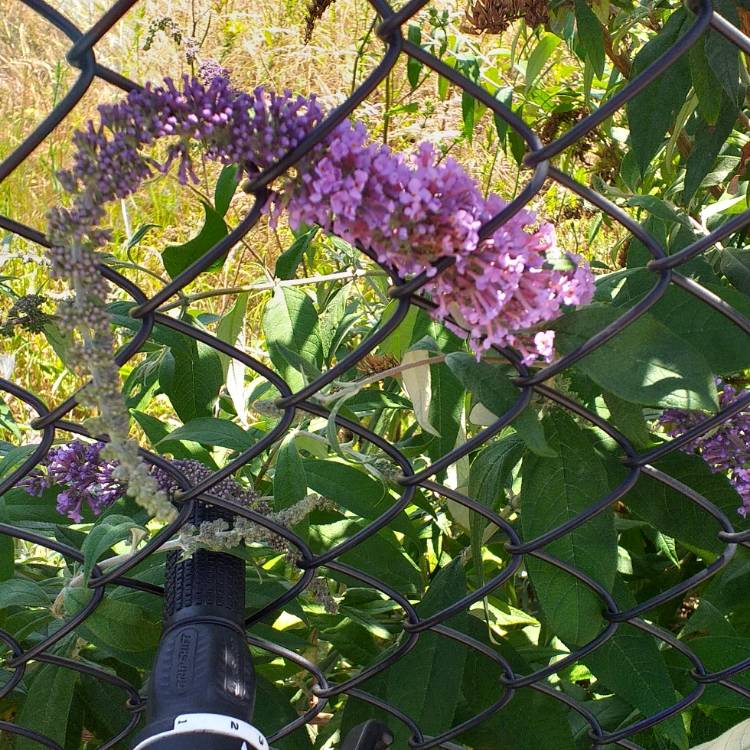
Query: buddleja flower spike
(408, 211)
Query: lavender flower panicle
(89, 479)
(726, 449)
(209, 69)
(409, 212)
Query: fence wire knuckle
(51, 419)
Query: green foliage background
(675, 159)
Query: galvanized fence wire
(51, 420)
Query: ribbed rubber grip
(203, 667)
(207, 583)
(210, 580)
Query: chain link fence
(665, 270)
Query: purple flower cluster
(408, 212)
(411, 212)
(87, 477)
(726, 449)
(90, 479)
(252, 130)
(210, 69)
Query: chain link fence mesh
(665, 270)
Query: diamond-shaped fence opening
(645, 475)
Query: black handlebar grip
(201, 693)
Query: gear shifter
(201, 693)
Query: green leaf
(553, 491)
(7, 558)
(124, 629)
(735, 265)
(105, 712)
(298, 362)
(590, 36)
(48, 705)
(368, 401)
(231, 325)
(20, 592)
(468, 113)
(157, 431)
(290, 322)
(490, 476)
(212, 431)
(723, 56)
(348, 487)
(8, 422)
(489, 383)
(142, 382)
(717, 651)
(426, 682)
(511, 727)
(539, 57)
(226, 186)
(517, 143)
(722, 343)
(709, 140)
(261, 591)
(107, 532)
(491, 470)
(414, 67)
(176, 258)
(274, 709)
(334, 323)
(402, 338)
(504, 95)
(673, 514)
(15, 457)
(707, 88)
(287, 262)
(19, 508)
(289, 479)
(380, 555)
(446, 405)
(630, 665)
(652, 112)
(492, 386)
(443, 87)
(628, 418)
(191, 376)
(139, 234)
(659, 208)
(658, 367)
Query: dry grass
(262, 44)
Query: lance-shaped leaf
(553, 491)
(645, 363)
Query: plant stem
(386, 112)
(354, 386)
(361, 52)
(269, 285)
(390, 372)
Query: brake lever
(371, 735)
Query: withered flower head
(494, 16)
